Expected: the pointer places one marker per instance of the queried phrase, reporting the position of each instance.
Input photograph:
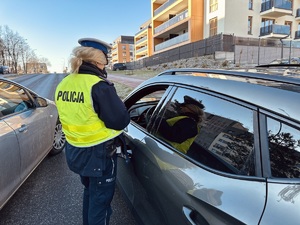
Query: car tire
(59, 141)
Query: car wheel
(59, 141)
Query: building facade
(275, 19)
(175, 23)
(122, 50)
(143, 41)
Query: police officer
(181, 130)
(92, 117)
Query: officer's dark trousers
(98, 175)
(97, 196)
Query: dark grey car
(29, 131)
(119, 66)
(4, 70)
(242, 168)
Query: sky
(52, 27)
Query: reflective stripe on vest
(80, 122)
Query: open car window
(13, 99)
(142, 104)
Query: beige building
(174, 23)
(36, 67)
(253, 18)
(122, 50)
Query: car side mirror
(40, 102)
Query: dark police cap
(95, 43)
(189, 100)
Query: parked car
(29, 130)
(119, 66)
(4, 69)
(242, 168)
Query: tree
(15, 51)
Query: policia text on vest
(70, 96)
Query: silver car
(243, 165)
(29, 131)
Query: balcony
(297, 17)
(142, 30)
(276, 8)
(275, 31)
(171, 22)
(145, 48)
(163, 7)
(171, 42)
(141, 40)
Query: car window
(142, 104)
(224, 140)
(284, 149)
(13, 99)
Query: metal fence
(262, 51)
(247, 51)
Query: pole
(290, 51)
(258, 52)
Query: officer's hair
(86, 54)
(196, 110)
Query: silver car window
(13, 99)
(284, 149)
(225, 140)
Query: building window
(213, 5)
(250, 6)
(213, 26)
(265, 22)
(249, 24)
(289, 23)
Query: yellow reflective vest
(184, 146)
(81, 124)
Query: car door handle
(194, 217)
(23, 128)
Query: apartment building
(176, 22)
(275, 19)
(122, 50)
(143, 41)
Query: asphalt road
(52, 195)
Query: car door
(30, 124)
(218, 182)
(282, 167)
(141, 106)
(9, 160)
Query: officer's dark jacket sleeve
(181, 131)
(109, 107)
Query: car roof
(274, 93)
(18, 84)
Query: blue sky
(53, 27)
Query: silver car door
(31, 125)
(9, 162)
(283, 168)
(218, 180)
